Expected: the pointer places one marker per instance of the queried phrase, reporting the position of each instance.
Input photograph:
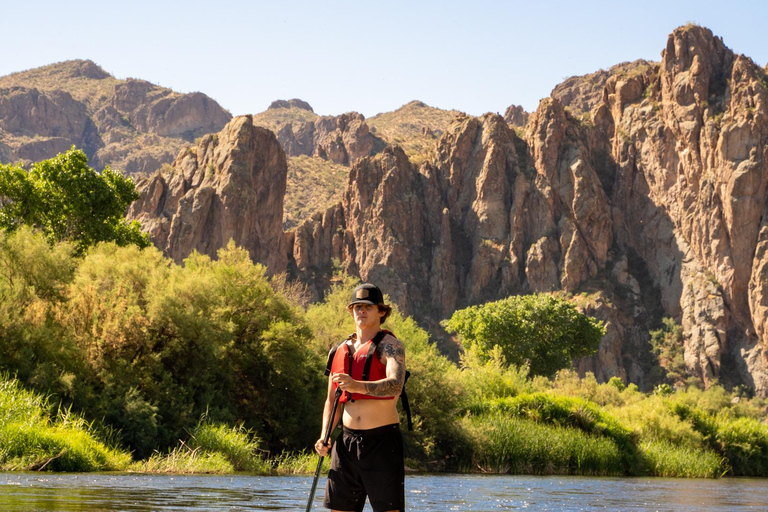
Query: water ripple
(104, 492)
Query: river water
(104, 492)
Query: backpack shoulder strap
(332, 354)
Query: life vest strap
(371, 352)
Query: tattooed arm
(391, 353)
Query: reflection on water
(45, 492)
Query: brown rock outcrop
(581, 94)
(46, 110)
(53, 120)
(153, 109)
(459, 229)
(341, 139)
(295, 102)
(516, 116)
(230, 186)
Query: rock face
(459, 229)
(295, 102)
(642, 195)
(230, 186)
(44, 123)
(648, 181)
(152, 109)
(516, 116)
(131, 125)
(695, 146)
(341, 139)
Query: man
(367, 458)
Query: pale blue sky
(473, 55)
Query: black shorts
(367, 463)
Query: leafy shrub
(542, 331)
(667, 344)
(67, 200)
(146, 345)
(487, 378)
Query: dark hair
(387, 311)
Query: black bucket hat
(367, 293)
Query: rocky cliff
(340, 139)
(641, 192)
(130, 125)
(228, 187)
(647, 182)
(688, 137)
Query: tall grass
(299, 463)
(212, 448)
(571, 414)
(184, 460)
(238, 445)
(742, 441)
(663, 458)
(503, 444)
(31, 440)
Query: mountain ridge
(641, 192)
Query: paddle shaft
(325, 442)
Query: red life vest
(361, 364)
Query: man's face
(366, 314)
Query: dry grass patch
(313, 184)
(415, 127)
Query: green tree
(67, 200)
(541, 331)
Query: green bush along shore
(116, 358)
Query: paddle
(325, 442)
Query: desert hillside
(131, 125)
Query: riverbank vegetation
(116, 358)
(211, 366)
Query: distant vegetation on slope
(415, 127)
(313, 184)
(275, 118)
